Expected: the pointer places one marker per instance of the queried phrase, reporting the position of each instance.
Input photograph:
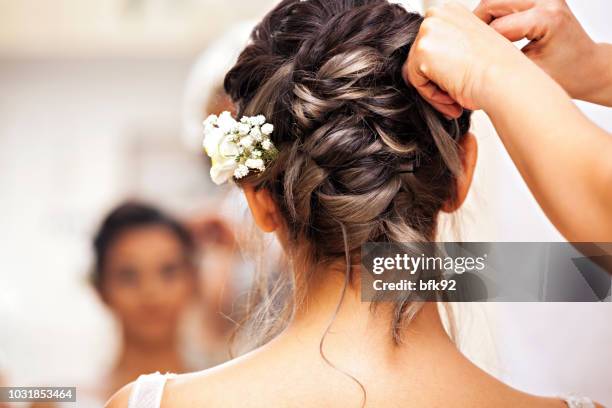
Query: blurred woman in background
(144, 272)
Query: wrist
(598, 78)
(499, 79)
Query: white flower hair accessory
(237, 148)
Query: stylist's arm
(557, 43)
(459, 61)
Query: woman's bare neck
(357, 357)
(355, 321)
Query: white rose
(226, 123)
(228, 148)
(212, 138)
(210, 120)
(222, 171)
(208, 127)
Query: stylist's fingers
(451, 56)
(489, 10)
(433, 93)
(435, 96)
(440, 100)
(517, 26)
(415, 70)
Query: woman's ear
(262, 207)
(469, 156)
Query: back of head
(358, 147)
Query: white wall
(67, 134)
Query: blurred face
(148, 282)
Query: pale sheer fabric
(149, 388)
(578, 402)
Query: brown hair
(349, 130)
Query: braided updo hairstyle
(362, 157)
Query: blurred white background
(90, 113)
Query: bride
(350, 154)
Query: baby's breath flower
(243, 129)
(266, 144)
(246, 141)
(267, 129)
(241, 171)
(255, 164)
(255, 133)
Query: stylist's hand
(558, 44)
(452, 56)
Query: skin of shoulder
(217, 386)
(289, 372)
(121, 398)
(244, 384)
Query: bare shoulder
(178, 391)
(257, 380)
(523, 399)
(480, 389)
(121, 398)
(221, 386)
(189, 389)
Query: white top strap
(578, 402)
(148, 390)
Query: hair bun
(327, 74)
